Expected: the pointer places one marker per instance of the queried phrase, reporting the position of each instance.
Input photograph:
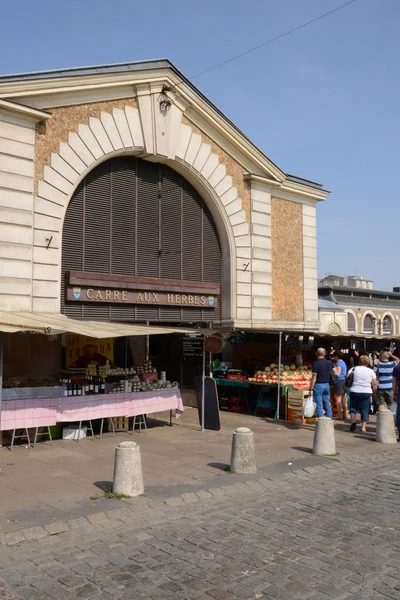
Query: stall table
(41, 412)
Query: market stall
(265, 371)
(93, 388)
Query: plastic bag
(309, 407)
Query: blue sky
(322, 103)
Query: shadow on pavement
(103, 485)
(219, 466)
(302, 449)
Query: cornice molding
(25, 111)
(288, 188)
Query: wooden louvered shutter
(72, 247)
(123, 215)
(148, 219)
(97, 219)
(170, 225)
(211, 250)
(192, 239)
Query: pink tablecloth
(82, 408)
(18, 414)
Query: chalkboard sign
(211, 407)
(192, 359)
(192, 346)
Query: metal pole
(203, 380)
(210, 357)
(278, 400)
(147, 344)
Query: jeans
(362, 402)
(321, 398)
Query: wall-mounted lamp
(164, 101)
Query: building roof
(325, 304)
(143, 65)
(346, 296)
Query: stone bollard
(385, 429)
(128, 475)
(324, 437)
(243, 459)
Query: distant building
(346, 310)
(352, 281)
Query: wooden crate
(120, 423)
(296, 398)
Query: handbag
(349, 379)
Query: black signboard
(192, 359)
(211, 406)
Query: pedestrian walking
(396, 395)
(363, 386)
(384, 374)
(319, 387)
(339, 386)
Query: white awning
(53, 324)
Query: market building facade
(125, 195)
(359, 312)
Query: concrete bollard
(385, 429)
(243, 459)
(128, 475)
(324, 437)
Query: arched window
(368, 325)
(133, 218)
(351, 323)
(387, 325)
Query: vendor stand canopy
(53, 324)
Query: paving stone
(80, 523)
(72, 581)
(204, 495)
(14, 537)
(87, 591)
(29, 593)
(174, 501)
(57, 527)
(189, 498)
(96, 518)
(34, 533)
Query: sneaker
(353, 426)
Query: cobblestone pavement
(328, 531)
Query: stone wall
(17, 143)
(66, 120)
(287, 260)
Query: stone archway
(146, 132)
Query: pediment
(68, 87)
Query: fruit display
(298, 377)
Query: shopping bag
(309, 407)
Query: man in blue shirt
(319, 387)
(339, 389)
(384, 374)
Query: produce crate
(120, 423)
(294, 415)
(296, 397)
(295, 400)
